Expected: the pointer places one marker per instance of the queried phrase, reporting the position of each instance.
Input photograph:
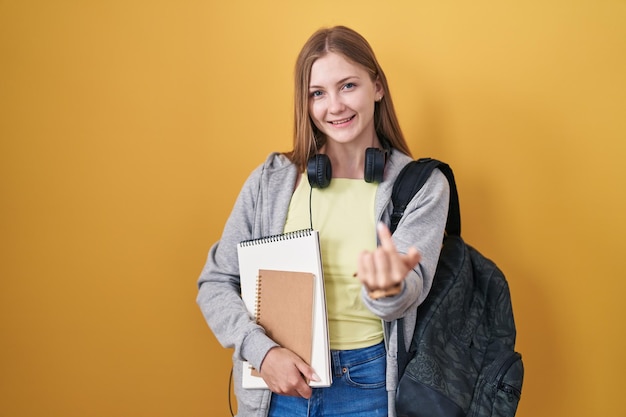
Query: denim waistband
(346, 358)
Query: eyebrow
(343, 80)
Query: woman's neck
(348, 160)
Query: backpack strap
(409, 181)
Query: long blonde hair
(307, 139)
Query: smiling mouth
(342, 121)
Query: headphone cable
(311, 207)
(230, 383)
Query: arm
(422, 228)
(219, 293)
(259, 211)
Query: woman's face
(341, 100)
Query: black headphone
(319, 170)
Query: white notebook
(297, 251)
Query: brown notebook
(284, 308)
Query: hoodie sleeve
(219, 295)
(422, 226)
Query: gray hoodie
(261, 210)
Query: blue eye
(316, 93)
(349, 86)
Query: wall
(127, 128)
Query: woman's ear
(380, 91)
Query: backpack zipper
(506, 365)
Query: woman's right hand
(286, 373)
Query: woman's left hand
(382, 271)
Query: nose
(335, 103)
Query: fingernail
(315, 378)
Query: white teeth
(338, 122)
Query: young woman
(348, 150)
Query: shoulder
(434, 192)
(269, 180)
(396, 161)
(275, 165)
(275, 162)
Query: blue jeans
(358, 388)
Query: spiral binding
(257, 304)
(276, 238)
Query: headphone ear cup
(319, 171)
(374, 168)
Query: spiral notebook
(287, 256)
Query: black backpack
(462, 359)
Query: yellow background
(127, 128)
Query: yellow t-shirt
(344, 215)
